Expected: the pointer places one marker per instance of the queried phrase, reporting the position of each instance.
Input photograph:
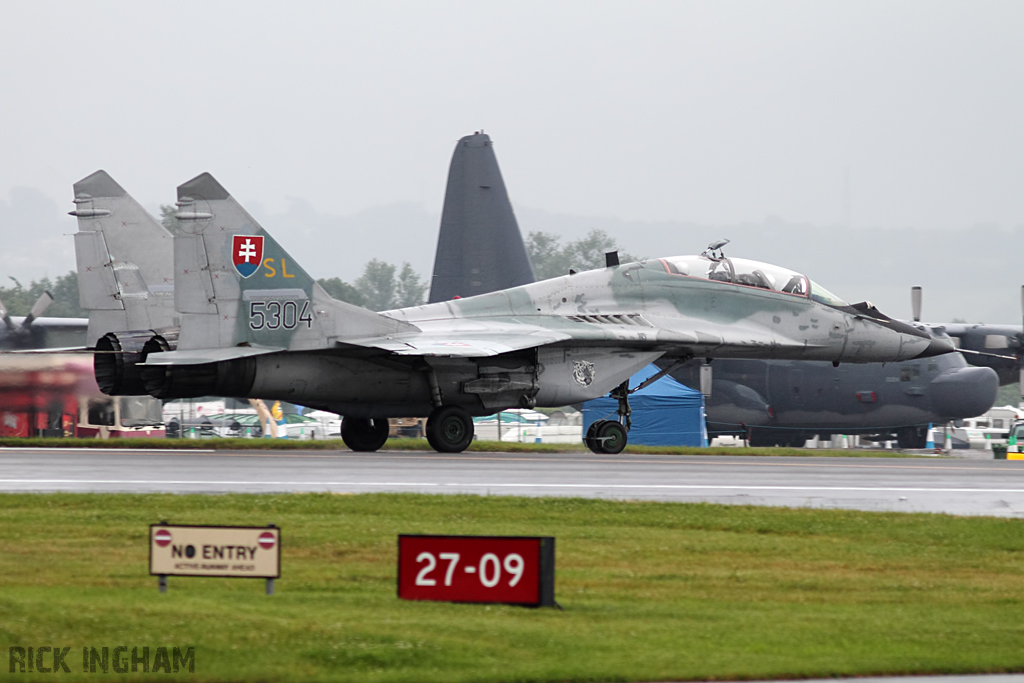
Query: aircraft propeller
(5, 316)
(38, 308)
(915, 303)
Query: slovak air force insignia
(246, 253)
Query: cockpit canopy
(749, 273)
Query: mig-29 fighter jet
(253, 323)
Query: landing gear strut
(449, 429)
(364, 435)
(610, 436)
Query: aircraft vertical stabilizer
(125, 272)
(479, 248)
(237, 287)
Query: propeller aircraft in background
(36, 332)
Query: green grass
(651, 591)
(422, 445)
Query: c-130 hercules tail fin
(479, 246)
(237, 287)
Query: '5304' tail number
(274, 315)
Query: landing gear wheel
(796, 441)
(761, 438)
(612, 437)
(449, 429)
(912, 437)
(590, 440)
(364, 435)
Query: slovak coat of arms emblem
(583, 372)
(247, 253)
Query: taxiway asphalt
(962, 487)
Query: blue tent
(666, 413)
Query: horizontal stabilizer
(199, 357)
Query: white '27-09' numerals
(489, 569)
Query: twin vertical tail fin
(125, 270)
(236, 286)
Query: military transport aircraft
(1000, 347)
(253, 323)
(479, 246)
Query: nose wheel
(610, 436)
(606, 437)
(449, 429)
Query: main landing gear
(449, 429)
(364, 435)
(610, 436)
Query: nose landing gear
(606, 437)
(610, 436)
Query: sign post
(517, 570)
(232, 551)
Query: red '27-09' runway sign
(506, 569)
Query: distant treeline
(19, 299)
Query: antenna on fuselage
(714, 250)
(915, 303)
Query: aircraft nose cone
(937, 347)
(963, 392)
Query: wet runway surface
(962, 487)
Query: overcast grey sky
(714, 112)
(706, 112)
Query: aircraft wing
(73, 324)
(464, 338)
(481, 337)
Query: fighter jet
(253, 323)
(773, 402)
